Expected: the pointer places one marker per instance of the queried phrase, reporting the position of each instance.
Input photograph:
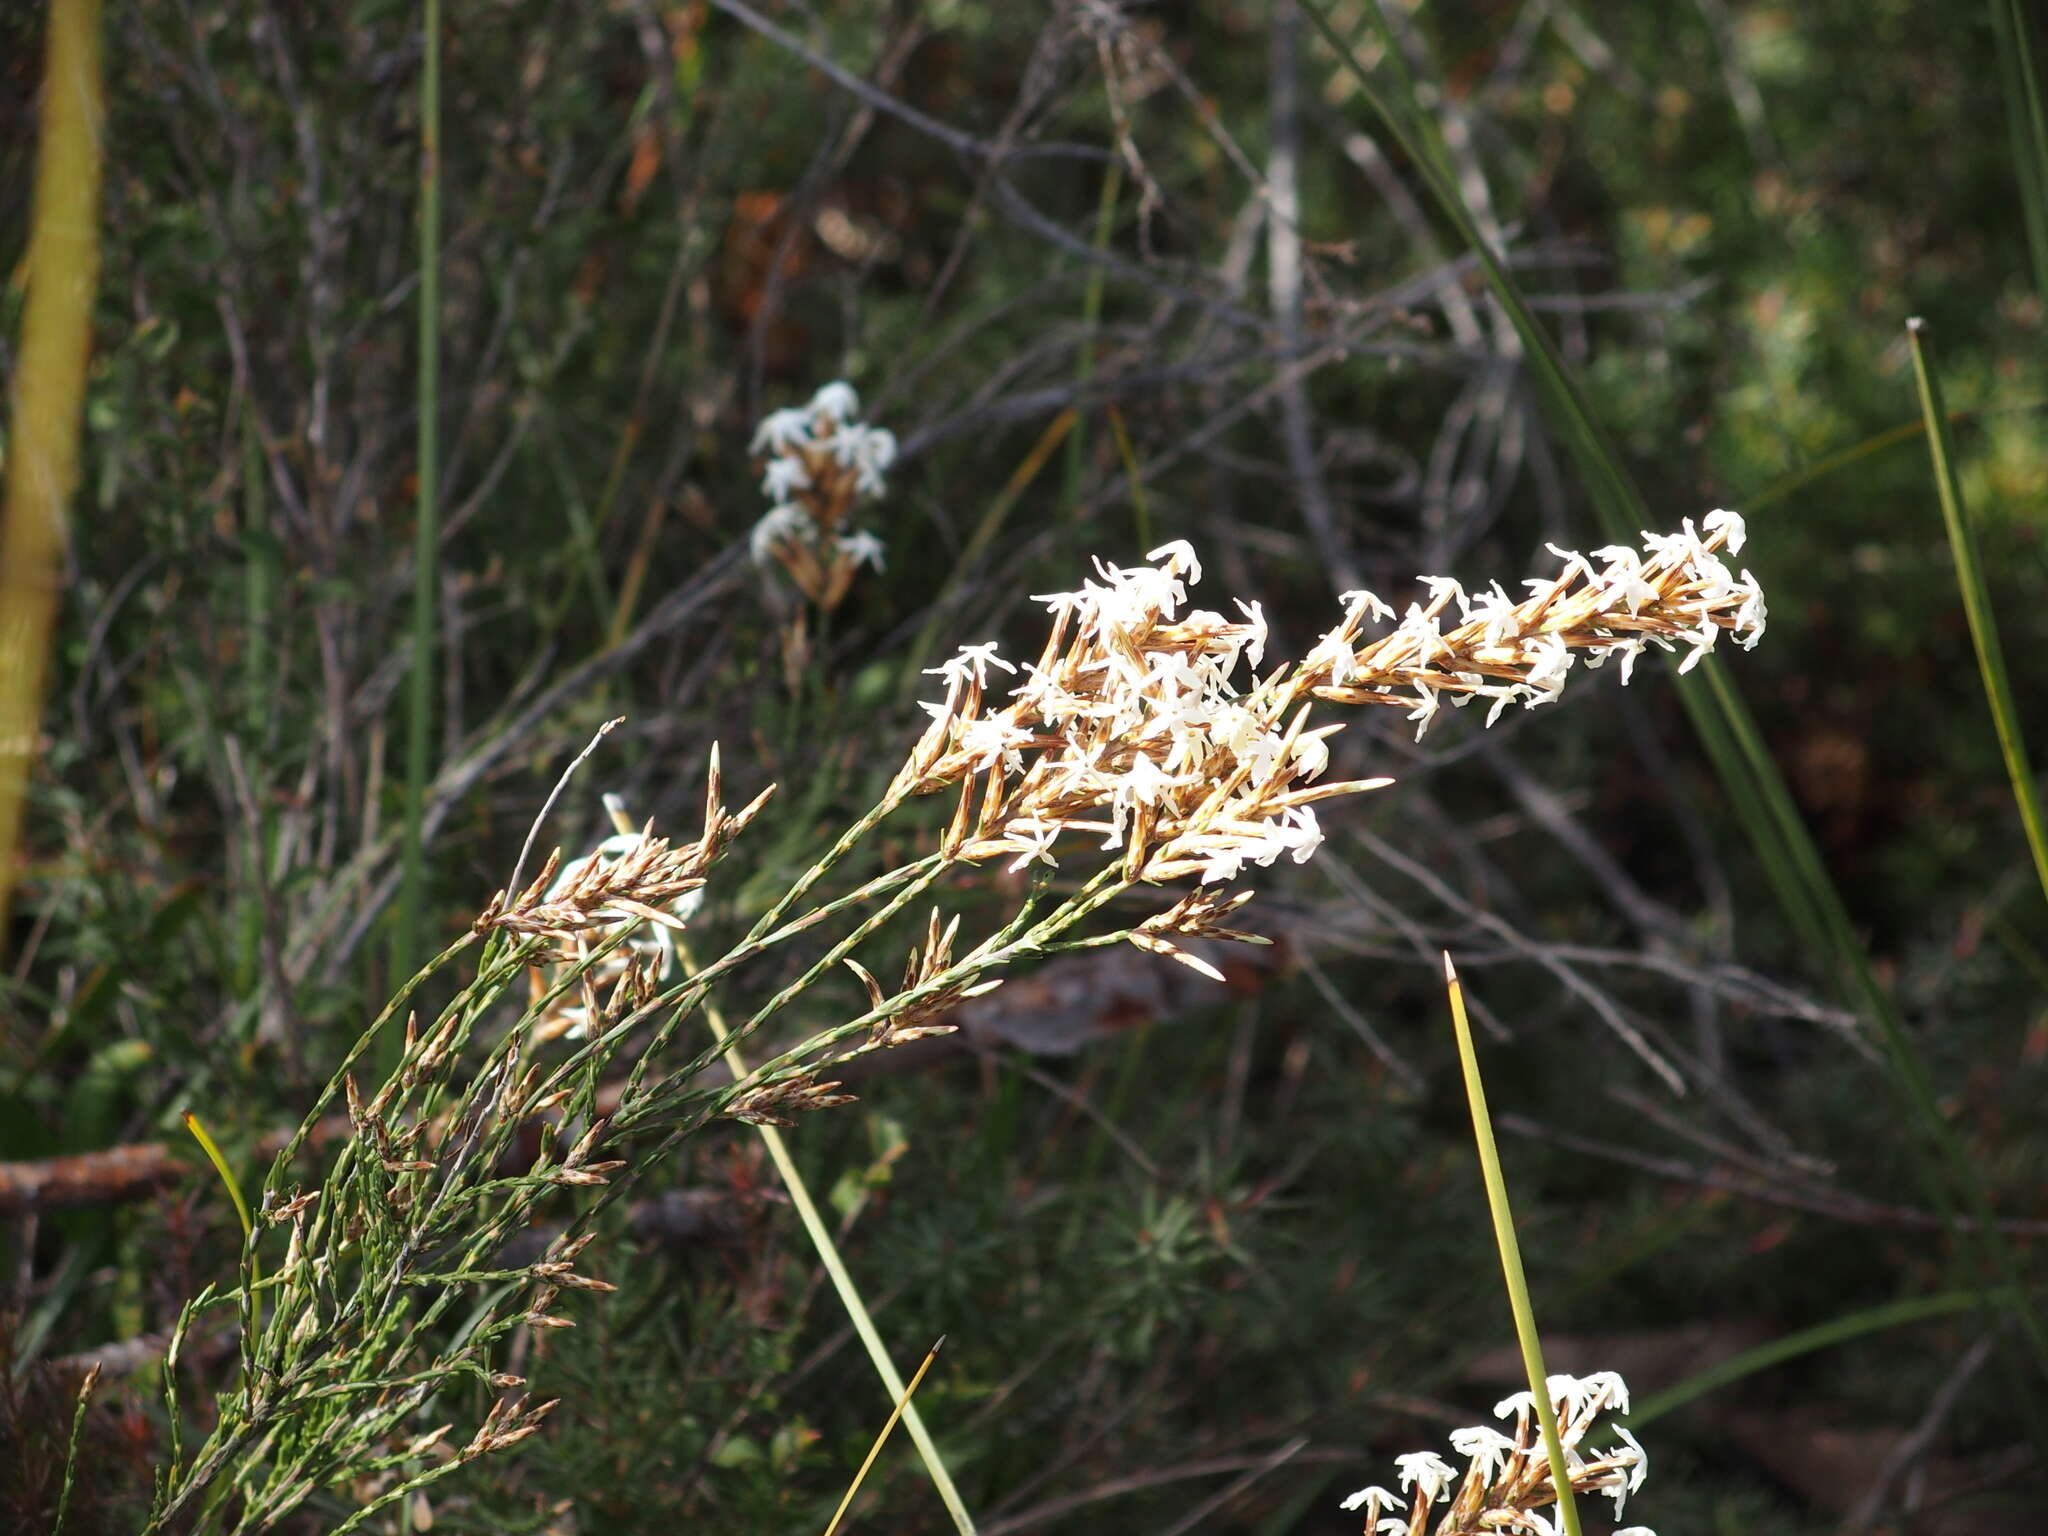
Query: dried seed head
(777, 1102)
(292, 1209)
(614, 912)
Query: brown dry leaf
(1074, 1000)
(646, 161)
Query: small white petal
(862, 548)
(783, 476)
(1373, 1501)
(1426, 1471)
(836, 399)
(776, 525)
(1738, 531)
(781, 428)
(1179, 557)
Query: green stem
(427, 537)
(842, 1281)
(1962, 542)
(1510, 1253)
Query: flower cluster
(1674, 592)
(1132, 727)
(818, 459)
(1507, 1482)
(1129, 728)
(628, 898)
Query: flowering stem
(842, 1281)
(1510, 1252)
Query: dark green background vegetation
(661, 224)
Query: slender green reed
(1510, 1248)
(419, 696)
(1962, 543)
(848, 1290)
(1091, 316)
(2028, 119)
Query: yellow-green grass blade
(55, 347)
(895, 1413)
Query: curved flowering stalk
(1131, 726)
(1506, 1483)
(1135, 727)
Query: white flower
(1497, 610)
(1502, 697)
(1373, 1501)
(866, 450)
(1635, 1530)
(1550, 660)
(1749, 618)
(1081, 603)
(1311, 755)
(1442, 586)
(975, 659)
(1515, 1406)
(784, 475)
(862, 548)
(1369, 601)
(992, 740)
(1485, 1447)
(1255, 631)
(1623, 577)
(1426, 1471)
(877, 451)
(1303, 835)
(1179, 558)
(1575, 564)
(1428, 702)
(777, 524)
(1335, 653)
(837, 400)
(1638, 1467)
(1568, 1394)
(1143, 782)
(1224, 864)
(780, 429)
(1608, 1390)
(1033, 840)
(1702, 641)
(1721, 518)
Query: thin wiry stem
(427, 531)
